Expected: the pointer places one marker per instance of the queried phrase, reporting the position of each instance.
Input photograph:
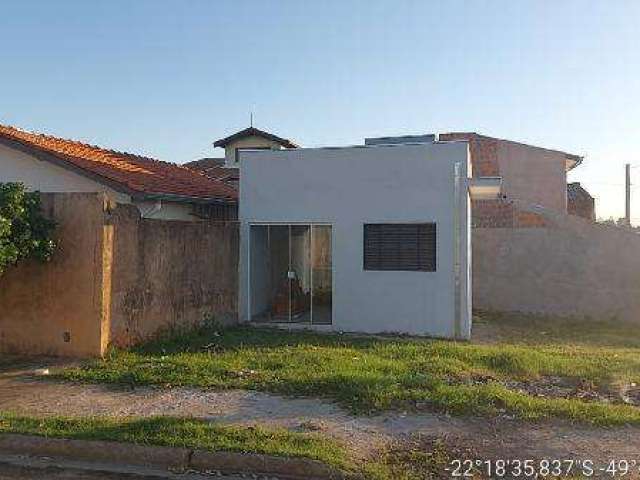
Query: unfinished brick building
(532, 177)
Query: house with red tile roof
(159, 189)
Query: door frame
(248, 267)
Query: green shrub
(24, 231)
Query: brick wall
(502, 213)
(483, 151)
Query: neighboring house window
(238, 150)
(400, 246)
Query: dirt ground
(22, 391)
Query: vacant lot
(525, 387)
(528, 367)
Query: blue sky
(166, 78)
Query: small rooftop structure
(250, 139)
(254, 132)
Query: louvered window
(400, 246)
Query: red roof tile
(126, 172)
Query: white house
(159, 189)
(361, 239)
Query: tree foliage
(24, 231)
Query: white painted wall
(17, 166)
(348, 187)
(168, 210)
(252, 141)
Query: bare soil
(563, 387)
(24, 392)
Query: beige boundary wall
(573, 268)
(116, 279)
(170, 273)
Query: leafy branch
(24, 231)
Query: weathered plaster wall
(170, 273)
(116, 278)
(61, 308)
(573, 267)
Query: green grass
(401, 461)
(180, 432)
(367, 374)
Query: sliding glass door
(321, 274)
(290, 273)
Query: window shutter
(400, 246)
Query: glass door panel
(279, 255)
(269, 268)
(259, 276)
(321, 275)
(300, 273)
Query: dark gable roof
(251, 132)
(140, 177)
(214, 168)
(204, 163)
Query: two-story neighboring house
(227, 169)
(531, 177)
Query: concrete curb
(174, 458)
